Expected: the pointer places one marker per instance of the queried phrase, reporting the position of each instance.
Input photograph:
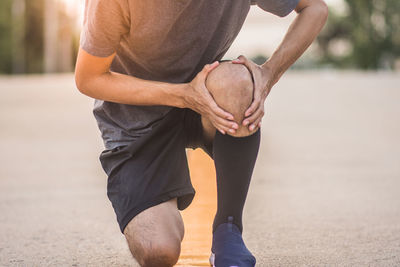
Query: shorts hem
(185, 197)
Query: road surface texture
(325, 191)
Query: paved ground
(326, 188)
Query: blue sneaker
(228, 248)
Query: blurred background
(42, 36)
(326, 185)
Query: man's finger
(227, 124)
(253, 107)
(250, 120)
(219, 111)
(208, 68)
(221, 131)
(244, 61)
(251, 110)
(221, 128)
(240, 60)
(256, 124)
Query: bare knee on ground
(231, 86)
(154, 236)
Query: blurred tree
(36, 36)
(21, 43)
(65, 56)
(50, 35)
(367, 36)
(18, 36)
(5, 36)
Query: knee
(240, 102)
(161, 254)
(239, 95)
(154, 236)
(231, 86)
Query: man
(148, 65)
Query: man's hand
(262, 80)
(312, 15)
(198, 98)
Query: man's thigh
(150, 170)
(156, 230)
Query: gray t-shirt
(160, 40)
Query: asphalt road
(325, 192)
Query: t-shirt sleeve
(280, 8)
(104, 23)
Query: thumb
(208, 68)
(242, 60)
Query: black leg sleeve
(234, 159)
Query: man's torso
(160, 40)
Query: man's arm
(301, 33)
(94, 78)
(312, 15)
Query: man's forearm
(299, 37)
(124, 89)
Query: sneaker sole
(212, 259)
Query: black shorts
(153, 169)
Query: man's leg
(234, 157)
(154, 236)
(235, 154)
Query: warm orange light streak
(198, 218)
